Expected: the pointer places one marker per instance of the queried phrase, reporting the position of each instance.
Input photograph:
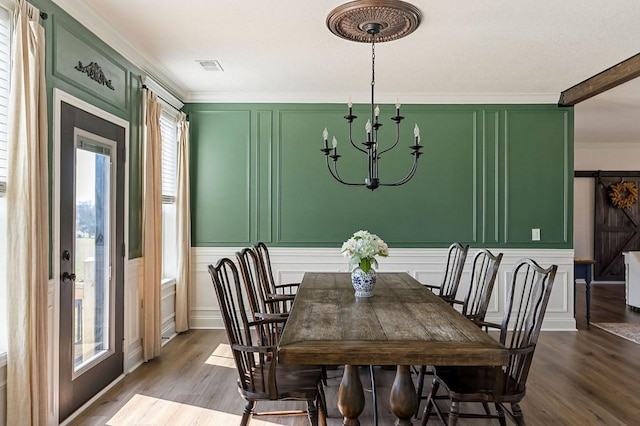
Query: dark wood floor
(589, 377)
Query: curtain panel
(27, 223)
(152, 231)
(183, 218)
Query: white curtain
(152, 231)
(27, 224)
(183, 217)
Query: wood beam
(605, 173)
(603, 81)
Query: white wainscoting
(168, 309)
(132, 315)
(426, 265)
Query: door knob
(68, 276)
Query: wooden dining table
(403, 324)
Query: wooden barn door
(616, 231)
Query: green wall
(67, 43)
(489, 174)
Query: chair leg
(500, 411)
(374, 395)
(312, 411)
(487, 410)
(248, 412)
(430, 400)
(453, 413)
(420, 383)
(322, 400)
(517, 413)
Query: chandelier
(372, 21)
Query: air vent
(210, 65)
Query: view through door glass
(93, 258)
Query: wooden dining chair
(483, 277)
(528, 295)
(261, 301)
(476, 302)
(275, 289)
(456, 257)
(260, 376)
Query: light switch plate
(535, 234)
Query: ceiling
(464, 51)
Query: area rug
(629, 331)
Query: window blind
(5, 73)
(169, 131)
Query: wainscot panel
(426, 265)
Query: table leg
(403, 398)
(351, 396)
(588, 281)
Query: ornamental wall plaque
(94, 71)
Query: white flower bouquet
(362, 248)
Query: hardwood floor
(589, 377)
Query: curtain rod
(144, 86)
(44, 16)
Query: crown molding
(103, 30)
(415, 98)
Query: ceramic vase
(363, 282)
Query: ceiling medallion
(395, 19)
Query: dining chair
(275, 290)
(261, 301)
(476, 302)
(456, 257)
(260, 376)
(528, 295)
(483, 277)
(264, 305)
(447, 290)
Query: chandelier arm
(407, 178)
(396, 142)
(336, 175)
(351, 140)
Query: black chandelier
(372, 21)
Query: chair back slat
(527, 301)
(483, 277)
(455, 264)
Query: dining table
(402, 324)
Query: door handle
(66, 276)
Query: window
(5, 72)
(169, 130)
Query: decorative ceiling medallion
(394, 19)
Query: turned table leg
(403, 398)
(351, 396)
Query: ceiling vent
(210, 65)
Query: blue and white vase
(363, 282)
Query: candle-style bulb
(325, 134)
(367, 126)
(397, 103)
(349, 104)
(377, 111)
(334, 142)
(416, 131)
